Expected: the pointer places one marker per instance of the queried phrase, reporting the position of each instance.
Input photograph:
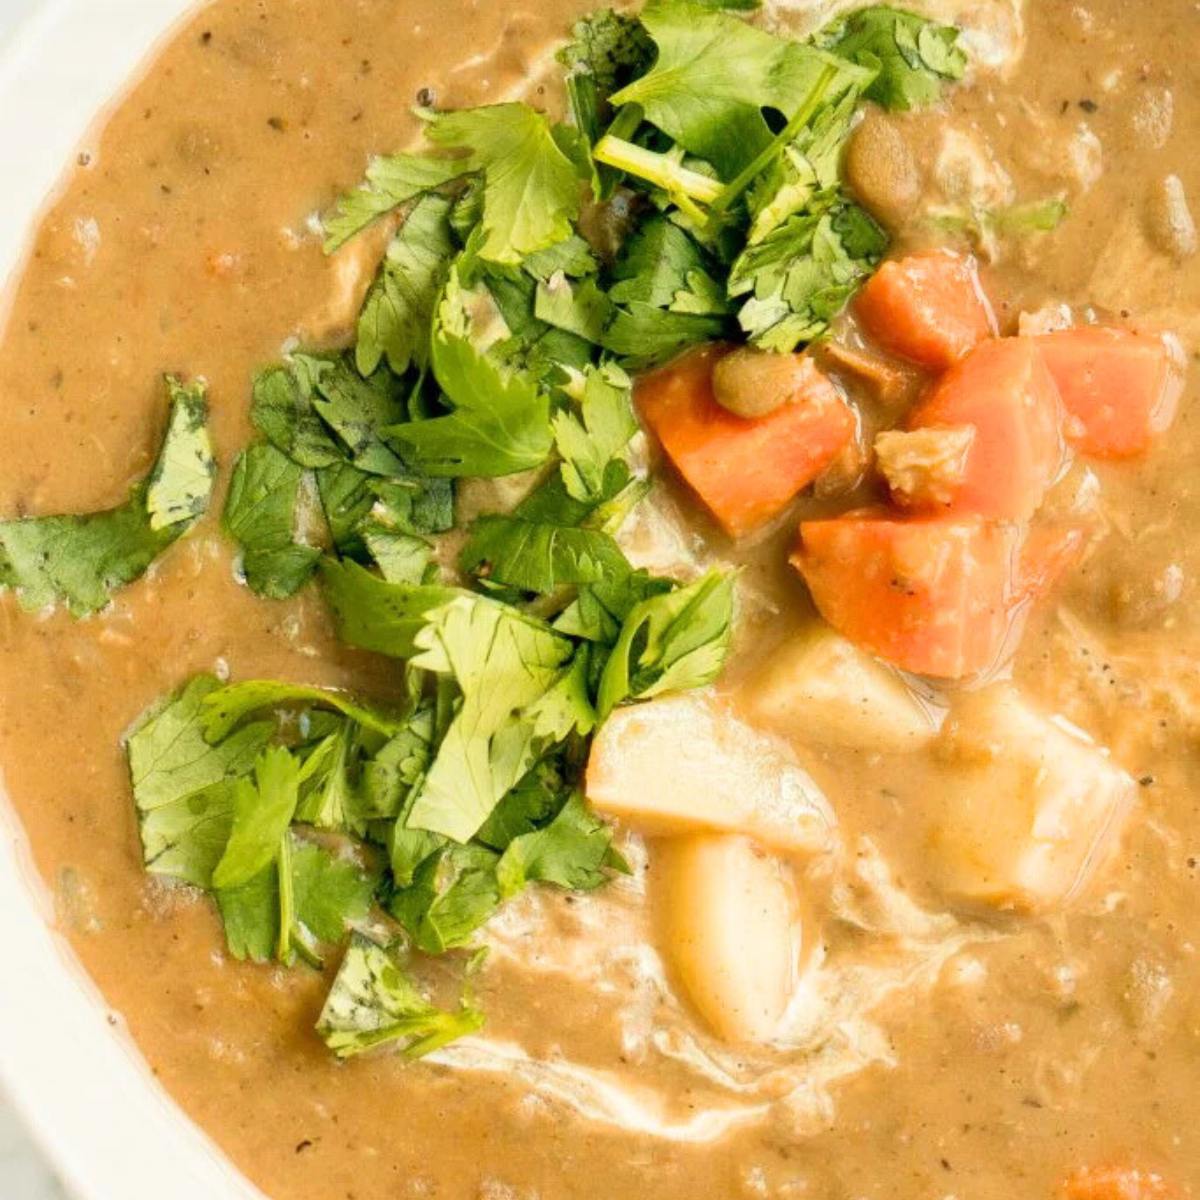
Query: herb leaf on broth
(491, 344)
(261, 516)
(912, 58)
(396, 318)
(80, 561)
(375, 1000)
(262, 813)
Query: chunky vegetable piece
(682, 764)
(1120, 389)
(745, 471)
(934, 596)
(1116, 1183)
(929, 308)
(1032, 809)
(1003, 392)
(821, 689)
(732, 927)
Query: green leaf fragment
(375, 1001)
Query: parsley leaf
(375, 1000)
(912, 58)
(81, 560)
(395, 320)
(671, 642)
(531, 190)
(262, 811)
(260, 515)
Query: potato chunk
(731, 920)
(684, 764)
(1030, 808)
(823, 690)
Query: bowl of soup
(600, 598)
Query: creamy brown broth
(1005, 1053)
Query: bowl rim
(67, 1064)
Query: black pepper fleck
(1089, 106)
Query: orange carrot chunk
(1003, 391)
(1116, 1183)
(1119, 389)
(745, 471)
(928, 308)
(935, 596)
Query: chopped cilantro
(80, 561)
(260, 515)
(262, 811)
(911, 57)
(375, 1001)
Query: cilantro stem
(287, 898)
(732, 190)
(672, 176)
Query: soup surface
(943, 1051)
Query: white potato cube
(1030, 806)
(685, 764)
(731, 920)
(821, 689)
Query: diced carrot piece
(1119, 389)
(745, 471)
(932, 595)
(1004, 392)
(1116, 1183)
(928, 308)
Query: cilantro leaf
(170, 759)
(398, 766)
(262, 811)
(330, 892)
(803, 273)
(376, 615)
(572, 851)
(250, 912)
(715, 75)
(260, 515)
(396, 317)
(500, 423)
(671, 642)
(328, 797)
(81, 560)
(531, 188)
(227, 707)
(282, 409)
(579, 308)
(590, 440)
(359, 410)
(391, 181)
(401, 557)
(374, 1000)
(181, 482)
(539, 556)
(519, 698)
(666, 294)
(912, 57)
(184, 838)
(346, 500)
(453, 892)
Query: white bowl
(109, 1128)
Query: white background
(23, 1175)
